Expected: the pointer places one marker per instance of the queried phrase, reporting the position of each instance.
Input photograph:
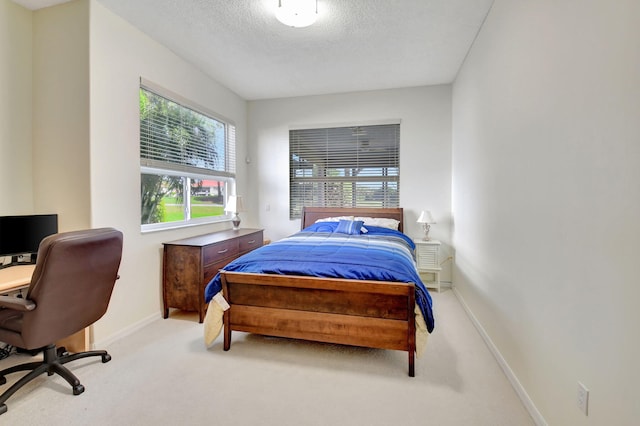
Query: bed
(333, 306)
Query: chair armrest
(17, 303)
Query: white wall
(61, 114)
(120, 55)
(546, 168)
(425, 151)
(16, 181)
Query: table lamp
(234, 205)
(426, 220)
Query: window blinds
(180, 138)
(354, 166)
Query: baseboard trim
(515, 383)
(126, 331)
(445, 284)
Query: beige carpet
(164, 375)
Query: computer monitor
(21, 235)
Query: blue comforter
(381, 254)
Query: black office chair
(70, 289)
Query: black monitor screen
(22, 234)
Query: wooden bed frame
(371, 314)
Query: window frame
(323, 174)
(188, 172)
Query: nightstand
(427, 259)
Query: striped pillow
(351, 227)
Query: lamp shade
(425, 217)
(234, 204)
(297, 13)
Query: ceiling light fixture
(297, 13)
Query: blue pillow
(351, 227)
(327, 227)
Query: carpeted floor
(163, 375)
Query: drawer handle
(223, 251)
(251, 242)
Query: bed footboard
(371, 314)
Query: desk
(15, 277)
(18, 277)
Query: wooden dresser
(189, 264)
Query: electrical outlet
(583, 398)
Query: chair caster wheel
(106, 358)
(3, 408)
(77, 390)
(3, 380)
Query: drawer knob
(223, 251)
(251, 242)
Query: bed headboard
(311, 214)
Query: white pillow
(382, 222)
(334, 219)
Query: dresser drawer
(211, 270)
(220, 250)
(191, 263)
(250, 242)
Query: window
(344, 167)
(187, 161)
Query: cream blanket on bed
(212, 322)
(213, 326)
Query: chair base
(53, 361)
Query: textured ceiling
(354, 45)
